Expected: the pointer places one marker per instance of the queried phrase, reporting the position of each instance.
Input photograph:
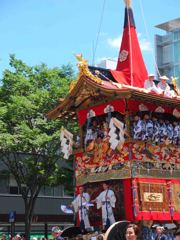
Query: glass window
(167, 54)
(177, 51)
(4, 184)
(48, 191)
(13, 190)
(41, 193)
(59, 191)
(177, 35)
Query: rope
(98, 33)
(148, 37)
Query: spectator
(3, 237)
(56, 233)
(177, 236)
(132, 232)
(17, 237)
(160, 233)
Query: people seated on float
(91, 133)
(164, 87)
(155, 136)
(176, 133)
(162, 130)
(147, 130)
(137, 127)
(159, 129)
(150, 85)
(169, 129)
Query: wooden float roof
(97, 85)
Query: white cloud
(115, 42)
(145, 45)
(106, 58)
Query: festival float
(141, 163)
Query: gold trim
(83, 69)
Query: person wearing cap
(150, 85)
(56, 233)
(17, 237)
(163, 85)
(165, 88)
(160, 233)
(80, 205)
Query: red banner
(118, 105)
(137, 106)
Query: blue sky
(51, 31)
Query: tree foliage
(29, 142)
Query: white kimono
(80, 206)
(150, 85)
(106, 205)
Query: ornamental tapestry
(153, 197)
(103, 164)
(159, 169)
(150, 152)
(176, 196)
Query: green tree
(29, 142)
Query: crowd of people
(145, 126)
(131, 232)
(157, 130)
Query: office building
(167, 47)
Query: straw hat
(151, 75)
(164, 78)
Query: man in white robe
(165, 88)
(150, 85)
(106, 201)
(80, 205)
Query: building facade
(167, 49)
(47, 212)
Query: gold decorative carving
(72, 85)
(83, 69)
(174, 82)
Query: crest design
(159, 110)
(123, 55)
(91, 114)
(143, 107)
(176, 113)
(108, 109)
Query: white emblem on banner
(66, 142)
(116, 139)
(123, 55)
(153, 197)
